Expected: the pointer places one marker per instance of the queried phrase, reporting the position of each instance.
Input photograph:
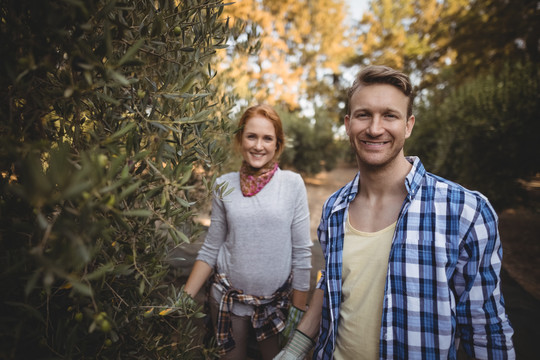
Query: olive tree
(109, 121)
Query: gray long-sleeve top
(256, 241)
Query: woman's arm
(208, 253)
(301, 244)
(299, 299)
(199, 274)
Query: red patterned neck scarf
(253, 180)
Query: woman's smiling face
(259, 141)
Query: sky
(357, 8)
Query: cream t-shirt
(365, 264)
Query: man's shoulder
(342, 195)
(451, 192)
(419, 177)
(443, 183)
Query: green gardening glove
(297, 348)
(294, 317)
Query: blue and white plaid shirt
(443, 283)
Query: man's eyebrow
(393, 110)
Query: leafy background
(116, 117)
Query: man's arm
(483, 324)
(302, 341)
(311, 321)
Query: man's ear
(346, 122)
(409, 126)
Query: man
(412, 260)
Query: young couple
(412, 260)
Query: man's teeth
(373, 143)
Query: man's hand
(297, 348)
(294, 317)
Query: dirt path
(320, 187)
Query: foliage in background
(441, 44)
(311, 147)
(424, 38)
(484, 133)
(412, 36)
(109, 117)
(300, 46)
(491, 33)
(476, 99)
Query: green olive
(105, 326)
(78, 317)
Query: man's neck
(376, 182)
(380, 197)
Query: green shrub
(109, 120)
(484, 133)
(311, 147)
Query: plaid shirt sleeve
(330, 233)
(484, 330)
(326, 323)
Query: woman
(258, 243)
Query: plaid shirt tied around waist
(269, 315)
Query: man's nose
(375, 127)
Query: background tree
(483, 133)
(474, 65)
(109, 115)
(311, 147)
(289, 54)
(490, 34)
(301, 45)
(413, 36)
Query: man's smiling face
(378, 125)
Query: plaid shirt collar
(413, 182)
